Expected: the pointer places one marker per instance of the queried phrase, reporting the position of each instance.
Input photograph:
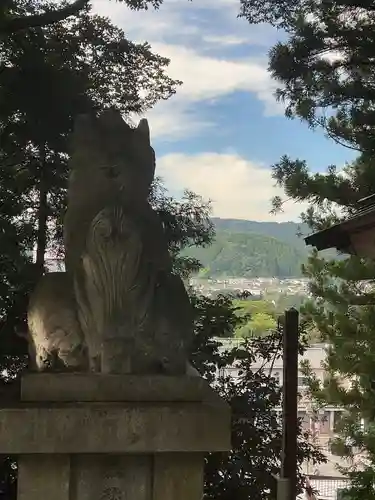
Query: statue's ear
(144, 129)
(112, 120)
(83, 131)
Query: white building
(324, 477)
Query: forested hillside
(289, 232)
(248, 254)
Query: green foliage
(187, 222)
(326, 64)
(326, 192)
(252, 307)
(224, 310)
(287, 232)
(259, 325)
(248, 470)
(349, 330)
(14, 18)
(204, 272)
(336, 94)
(258, 316)
(248, 255)
(261, 316)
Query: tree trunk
(41, 239)
(11, 25)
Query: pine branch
(367, 299)
(15, 24)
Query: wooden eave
(339, 235)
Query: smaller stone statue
(118, 307)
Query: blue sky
(222, 131)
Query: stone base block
(110, 477)
(73, 387)
(176, 414)
(113, 437)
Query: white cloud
(333, 56)
(206, 78)
(149, 25)
(189, 46)
(225, 40)
(173, 120)
(238, 188)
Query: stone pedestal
(113, 437)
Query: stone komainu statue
(118, 308)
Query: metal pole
(287, 488)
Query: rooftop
(338, 236)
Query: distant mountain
(289, 232)
(248, 254)
(246, 248)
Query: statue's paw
(74, 360)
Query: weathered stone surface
(119, 307)
(53, 325)
(45, 476)
(124, 428)
(166, 476)
(145, 446)
(105, 477)
(99, 387)
(178, 476)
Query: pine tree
(325, 69)
(326, 65)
